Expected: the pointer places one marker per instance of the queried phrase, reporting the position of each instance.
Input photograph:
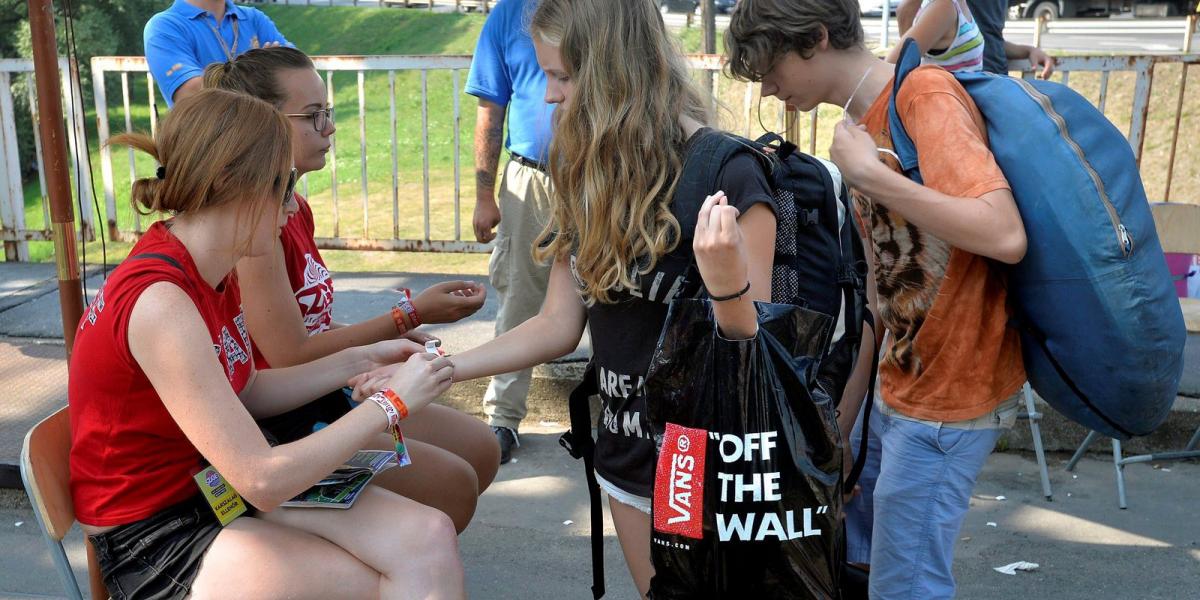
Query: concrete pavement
(520, 545)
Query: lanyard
(229, 53)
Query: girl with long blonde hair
(627, 120)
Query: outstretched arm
(277, 326)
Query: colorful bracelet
(410, 309)
(389, 409)
(394, 398)
(398, 318)
(396, 411)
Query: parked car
(723, 7)
(874, 8)
(1070, 9)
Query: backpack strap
(579, 444)
(906, 150)
(858, 317)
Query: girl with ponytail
(164, 392)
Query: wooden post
(58, 179)
(1038, 29)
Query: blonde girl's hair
(215, 147)
(618, 144)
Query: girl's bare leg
(436, 478)
(459, 433)
(413, 547)
(260, 559)
(633, 530)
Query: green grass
(367, 31)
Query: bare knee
(435, 534)
(461, 485)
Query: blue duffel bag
(1102, 332)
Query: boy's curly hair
(761, 31)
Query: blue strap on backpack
(1102, 332)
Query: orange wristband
(394, 398)
(398, 319)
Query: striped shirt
(965, 53)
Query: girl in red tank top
(163, 385)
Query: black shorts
(158, 557)
(300, 422)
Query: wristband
(395, 410)
(398, 319)
(410, 311)
(389, 409)
(731, 296)
(394, 398)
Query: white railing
(14, 230)
(425, 204)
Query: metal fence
(13, 229)
(425, 203)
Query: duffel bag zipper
(1124, 240)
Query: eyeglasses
(290, 191)
(320, 118)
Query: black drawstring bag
(748, 487)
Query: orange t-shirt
(952, 356)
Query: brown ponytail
(255, 72)
(215, 147)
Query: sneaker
(508, 439)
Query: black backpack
(819, 265)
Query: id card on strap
(225, 502)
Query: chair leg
(1195, 441)
(1120, 466)
(63, 566)
(1038, 450)
(1087, 441)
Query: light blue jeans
(916, 491)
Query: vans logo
(679, 482)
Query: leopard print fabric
(909, 268)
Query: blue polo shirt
(181, 41)
(505, 71)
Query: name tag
(225, 502)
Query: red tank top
(129, 459)
(311, 282)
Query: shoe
(508, 439)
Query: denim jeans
(927, 471)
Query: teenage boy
(952, 368)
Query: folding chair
(45, 471)
(1179, 231)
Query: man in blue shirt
(193, 34)
(506, 78)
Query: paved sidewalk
(520, 547)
